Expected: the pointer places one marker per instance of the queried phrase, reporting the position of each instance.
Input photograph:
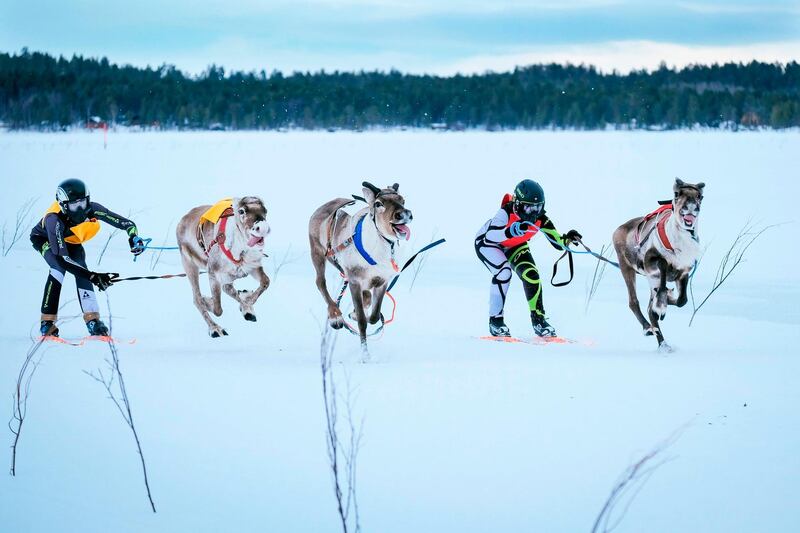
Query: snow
(460, 434)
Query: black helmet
(72, 196)
(528, 200)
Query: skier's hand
(571, 236)
(101, 280)
(137, 245)
(519, 228)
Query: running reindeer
(664, 247)
(362, 248)
(226, 251)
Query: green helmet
(528, 200)
(72, 196)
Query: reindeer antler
(371, 187)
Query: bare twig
(21, 221)
(156, 257)
(342, 457)
(421, 262)
(597, 277)
(111, 236)
(287, 259)
(120, 397)
(23, 387)
(21, 393)
(631, 481)
(732, 259)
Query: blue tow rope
(148, 247)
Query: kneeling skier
(502, 244)
(72, 220)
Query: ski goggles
(529, 209)
(79, 205)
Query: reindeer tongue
(689, 219)
(402, 228)
(253, 240)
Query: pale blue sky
(419, 36)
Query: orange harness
(662, 215)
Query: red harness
(660, 227)
(220, 239)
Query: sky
(419, 36)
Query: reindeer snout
(403, 216)
(261, 228)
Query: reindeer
(664, 247)
(227, 251)
(362, 248)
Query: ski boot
(498, 328)
(48, 328)
(541, 326)
(97, 328)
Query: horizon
(323, 71)
(450, 37)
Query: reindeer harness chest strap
(662, 230)
(662, 214)
(220, 238)
(354, 240)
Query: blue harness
(359, 244)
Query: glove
(519, 228)
(137, 245)
(571, 236)
(101, 280)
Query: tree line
(39, 91)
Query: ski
(536, 341)
(84, 340)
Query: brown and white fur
(244, 237)
(383, 228)
(657, 263)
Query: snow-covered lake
(460, 434)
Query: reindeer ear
(701, 186)
(369, 194)
(396, 186)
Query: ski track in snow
(460, 434)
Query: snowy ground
(460, 435)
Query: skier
(72, 220)
(502, 245)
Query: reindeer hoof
(665, 348)
(217, 333)
(365, 357)
(336, 322)
(250, 317)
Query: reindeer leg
(377, 301)
(366, 298)
(658, 303)
(318, 260)
(682, 297)
(361, 317)
(629, 275)
(192, 274)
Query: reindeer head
(387, 208)
(686, 204)
(251, 219)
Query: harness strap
(568, 254)
(662, 231)
(359, 244)
(220, 239)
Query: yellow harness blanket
(217, 211)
